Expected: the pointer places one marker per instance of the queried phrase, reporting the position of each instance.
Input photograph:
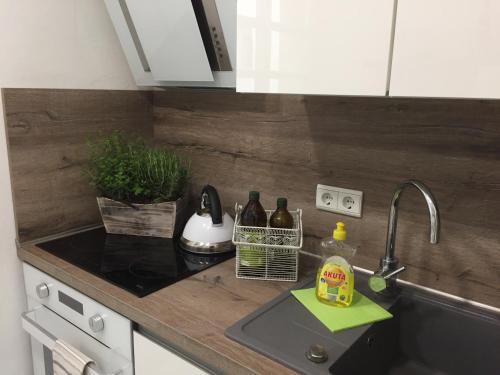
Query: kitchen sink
(429, 334)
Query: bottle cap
(339, 232)
(282, 203)
(254, 196)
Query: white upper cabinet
(177, 42)
(447, 48)
(327, 47)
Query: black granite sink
(427, 335)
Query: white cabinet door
(151, 358)
(447, 48)
(338, 47)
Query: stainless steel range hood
(212, 34)
(178, 42)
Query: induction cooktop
(140, 265)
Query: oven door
(45, 327)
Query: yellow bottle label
(335, 282)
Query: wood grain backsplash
(283, 145)
(47, 133)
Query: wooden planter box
(155, 220)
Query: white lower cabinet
(152, 358)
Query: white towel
(68, 360)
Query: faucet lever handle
(394, 273)
(378, 282)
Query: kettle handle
(213, 204)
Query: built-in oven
(58, 312)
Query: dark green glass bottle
(254, 215)
(281, 218)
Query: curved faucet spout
(390, 261)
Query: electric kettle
(208, 230)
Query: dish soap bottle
(335, 278)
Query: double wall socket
(342, 201)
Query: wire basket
(267, 253)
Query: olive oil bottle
(281, 218)
(253, 215)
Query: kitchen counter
(189, 316)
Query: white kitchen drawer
(151, 358)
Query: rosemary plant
(129, 170)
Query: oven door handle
(47, 339)
(37, 331)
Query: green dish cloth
(361, 311)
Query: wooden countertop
(190, 316)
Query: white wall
(60, 44)
(45, 44)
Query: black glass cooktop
(141, 265)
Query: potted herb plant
(141, 188)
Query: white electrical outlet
(326, 198)
(342, 201)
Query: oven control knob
(42, 290)
(96, 323)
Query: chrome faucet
(384, 280)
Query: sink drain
(317, 353)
